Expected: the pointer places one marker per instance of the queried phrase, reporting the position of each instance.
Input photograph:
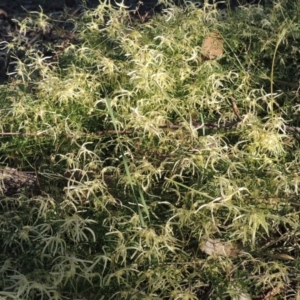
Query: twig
(171, 126)
(275, 291)
(22, 134)
(287, 83)
(235, 109)
(292, 129)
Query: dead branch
(171, 126)
(235, 109)
(292, 129)
(13, 181)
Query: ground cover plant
(163, 172)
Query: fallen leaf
(216, 247)
(212, 46)
(283, 256)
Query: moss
(148, 153)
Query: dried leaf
(212, 46)
(3, 13)
(283, 256)
(216, 247)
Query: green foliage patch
(163, 174)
